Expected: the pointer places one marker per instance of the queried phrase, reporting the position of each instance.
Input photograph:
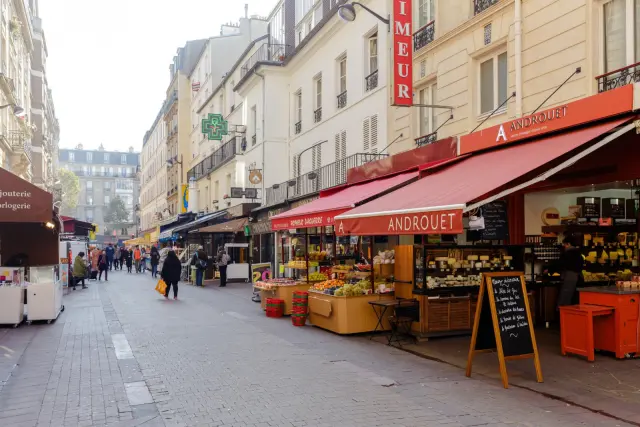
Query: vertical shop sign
(402, 53)
(184, 205)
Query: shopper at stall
(128, 259)
(137, 257)
(200, 261)
(79, 271)
(570, 266)
(223, 260)
(116, 257)
(103, 266)
(171, 273)
(155, 260)
(110, 251)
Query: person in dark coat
(170, 273)
(129, 259)
(200, 261)
(123, 257)
(103, 266)
(154, 258)
(570, 267)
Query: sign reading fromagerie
(320, 219)
(434, 222)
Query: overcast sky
(108, 63)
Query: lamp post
(348, 12)
(17, 111)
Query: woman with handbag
(200, 261)
(170, 273)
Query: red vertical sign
(402, 53)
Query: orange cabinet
(619, 333)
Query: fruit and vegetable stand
(281, 289)
(345, 314)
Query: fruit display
(342, 268)
(327, 285)
(297, 264)
(317, 277)
(318, 256)
(362, 267)
(267, 285)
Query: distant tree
(70, 185)
(117, 215)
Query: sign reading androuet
(21, 201)
(429, 222)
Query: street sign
(215, 126)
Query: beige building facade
(153, 178)
(494, 60)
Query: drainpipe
(518, 56)
(264, 195)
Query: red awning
(321, 212)
(21, 201)
(435, 204)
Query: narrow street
(120, 355)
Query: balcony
(317, 115)
(19, 144)
(105, 174)
(267, 53)
(427, 139)
(424, 36)
(371, 81)
(8, 86)
(480, 6)
(327, 176)
(620, 77)
(172, 99)
(342, 100)
(298, 127)
(210, 164)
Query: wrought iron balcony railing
(342, 100)
(424, 36)
(371, 81)
(268, 52)
(222, 155)
(427, 139)
(298, 127)
(317, 115)
(620, 77)
(19, 143)
(327, 176)
(480, 6)
(105, 174)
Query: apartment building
(104, 175)
(494, 60)
(16, 47)
(46, 130)
(153, 176)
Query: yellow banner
(185, 198)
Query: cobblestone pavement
(120, 355)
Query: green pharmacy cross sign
(215, 126)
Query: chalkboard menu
(496, 225)
(513, 320)
(503, 322)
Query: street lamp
(348, 12)
(17, 111)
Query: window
(426, 12)
(342, 75)
(316, 157)
(89, 185)
(123, 159)
(621, 35)
(341, 154)
(428, 96)
(493, 83)
(370, 134)
(318, 88)
(254, 124)
(89, 199)
(89, 157)
(107, 185)
(373, 53)
(110, 171)
(298, 118)
(107, 200)
(72, 156)
(89, 215)
(106, 157)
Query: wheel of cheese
(551, 216)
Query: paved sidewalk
(123, 356)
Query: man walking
(110, 252)
(116, 257)
(223, 261)
(137, 255)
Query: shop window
(493, 83)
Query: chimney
(246, 10)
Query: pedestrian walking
(123, 257)
(79, 271)
(200, 261)
(223, 260)
(116, 257)
(129, 259)
(155, 260)
(137, 255)
(94, 255)
(103, 266)
(170, 273)
(111, 252)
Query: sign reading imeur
(402, 53)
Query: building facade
(46, 134)
(16, 36)
(491, 61)
(104, 175)
(153, 176)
